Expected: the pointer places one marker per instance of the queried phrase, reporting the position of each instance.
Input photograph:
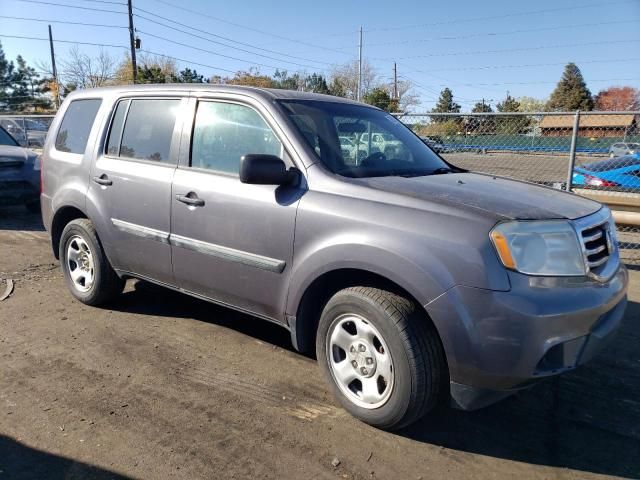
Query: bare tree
(407, 97)
(84, 71)
(347, 75)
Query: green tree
(480, 124)
(571, 93)
(282, 79)
(6, 74)
(509, 104)
(151, 74)
(188, 76)
(379, 97)
(316, 83)
(337, 88)
(445, 103)
(482, 107)
(511, 124)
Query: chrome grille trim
(599, 252)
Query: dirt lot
(160, 385)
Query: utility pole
(132, 40)
(395, 81)
(53, 68)
(359, 91)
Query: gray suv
(414, 280)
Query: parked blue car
(620, 173)
(19, 174)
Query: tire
(101, 283)
(407, 337)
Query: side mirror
(261, 169)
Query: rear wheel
(88, 274)
(381, 355)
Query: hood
(510, 199)
(11, 154)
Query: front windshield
(358, 141)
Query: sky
(479, 48)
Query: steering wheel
(372, 159)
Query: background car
(618, 173)
(435, 144)
(623, 148)
(19, 174)
(27, 132)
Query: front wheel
(381, 355)
(87, 271)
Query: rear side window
(115, 135)
(76, 125)
(148, 129)
(224, 132)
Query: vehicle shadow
(18, 218)
(588, 420)
(149, 299)
(20, 462)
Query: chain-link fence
(28, 130)
(590, 153)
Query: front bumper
(499, 342)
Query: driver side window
(224, 132)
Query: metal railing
(595, 154)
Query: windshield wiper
(441, 170)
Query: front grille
(596, 245)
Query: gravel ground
(161, 385)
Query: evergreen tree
(512, 124)
(509, 104)
(188, 76)
(445, 103)
(337, 88)
(482, 107)
(571, 93)
(6, 73)
(316, 83)
(379, 97)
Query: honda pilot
(413, 280)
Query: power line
(495, 34)
(263, 32)
(494, 17)
(69, 6)
(62, 21)
(213, 52)
(521, 49)
(105, 1)
(225, 38)
(497, 67)
(187, 61)
(65, 41)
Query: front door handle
(190, 199)
(103, 180)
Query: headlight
(539, 248)
(37, 165)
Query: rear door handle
(192, 201)
(103, 180)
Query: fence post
(572, 150)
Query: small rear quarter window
(73, 134)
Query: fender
(424, 284)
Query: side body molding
(226, 253)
